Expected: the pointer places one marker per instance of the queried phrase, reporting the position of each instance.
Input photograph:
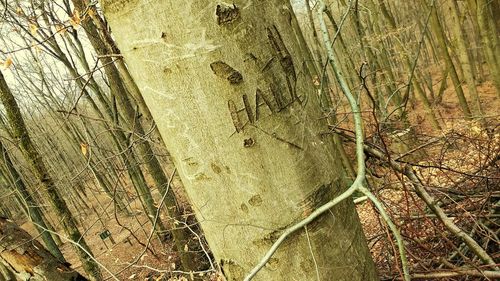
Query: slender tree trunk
(346, 162)
(230, 92)
(495, 9)
(35, 160)
(408, 67)
(181, 235)
(128, 81)
(489, 37)
(135, 173)
(33, 211)
(465, 59)
(443, 85)
(441, 38)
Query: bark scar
(227, 14)
(285, 59)
(316, 198)
(223, 70)
(238, 125)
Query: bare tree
(21, 135)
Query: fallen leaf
(7, 63)
(316, 81)
(91, 12)
(84, 148)
(33, 29)
(75, 19)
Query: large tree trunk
(232, 96)
(26, 259)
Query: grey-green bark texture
(465, 60)
(29, 201)
(22, 137)
(441, 39)
(489, 36)
(229, 88)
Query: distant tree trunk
(441, 38)
(26, 259)
(120, 140)
(35, 160)
(495, 9)
(489, 36)
(181, 234)
(127, 79)
(235, 102)
(409, 67)
(465, 59)
(33, 210)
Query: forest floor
(128, 256)
(464, 161)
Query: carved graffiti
(248, 108)
(250, 113)
(227, 14)
(260, 100)
(235, 116)
(284, 58)
(269, 97)
(223, 70)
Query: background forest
(85, 172)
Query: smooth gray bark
(229, 88)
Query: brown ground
(469, 148)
